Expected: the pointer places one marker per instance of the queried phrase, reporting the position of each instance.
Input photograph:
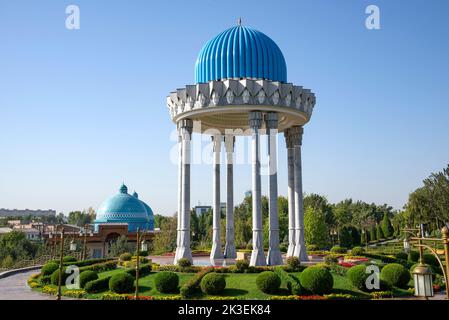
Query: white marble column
(257, 254)
(229, 252)
(184, 233)
(300, 246)
(178, 228)
(290, 193)
(274, 257)
(216, 253)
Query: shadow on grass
(143, 288)
(351, 292)
(229, 292)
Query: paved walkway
(15, 288)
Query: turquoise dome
(240, 52)
(125, 208)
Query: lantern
(422, 277)
(144, 246)
(406, 245)
(72, 246)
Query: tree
(379, 233)
(120, 246)
(165, 239)
(315, 229)
(345, 238)
(373, 233)
(387, 228)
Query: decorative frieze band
(240, 92)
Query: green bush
(96, 286)
(100, 267)
(430, 259)
(184, 263)
(241, 265)
(283, 248)
(48, 268)
(213, 283)
(293, 284)
(293, 263)
(68, 259)
(87, 276)
(395, 274)
(317, 280)
(357, 251)
(55, 277)
(166, 282)
(401, 255)
(338, 249)
(357, 276)
(331, 259)
(126, 256)
(193, 285)
(268, 282)
(413, 256)
(144, 269)
(121, 283)
(312, 247)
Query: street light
(144, 246)
(422, 277)
(406, 245)
(72, 245)
(61, 264)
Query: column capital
(293, 136)
(271, 120)
(216, 140)
(229, 141)
(255, 119)
(185, 127)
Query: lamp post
(61, 263)
(422, 275)
(406, 245)
(85, 240)
(136, 294)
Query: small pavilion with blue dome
(241, 88)
(123, 208)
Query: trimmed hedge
(213, 283)
(396, 275)
(331, 259)
(357, 276)
(88, 262)
(317, 280)
(101, 267)
(293, 284)
(401, 255)
(144, 270)
(87, 276)
(121, 283)
(67, 259)
(126, 256)
(166, 282)
(357, 251)
(242, 265)
(338, 249)
(55, 277)
(268, 282)
(48, 268)
(293, 263)
(96, 286)
(193, 285)
(184, 263)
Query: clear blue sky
(81, 111)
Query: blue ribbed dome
(240, 52)
(125, 208)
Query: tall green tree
(315, 229)
(387, 228)
(379, 233)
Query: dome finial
(135, 195)
(239, 21)
(124, 188)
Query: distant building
(26, 212)
(31, 233)
(199, 210)
(4, 230)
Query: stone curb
(15, 271)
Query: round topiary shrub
(338, 249)
(283, 248)
(241, 265)
(121, 283)
(331, 259)
(126, 256)
(357, 251)
(49, 268)
(69, 259)
(413, 256)
(55, 277)
(293, 263)
(317, 280)
(357, 276)
(87, 276)
(213, 283)
(268, 282)
(166, 282)
(184, 263)
(401, 255)
(395, 275)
